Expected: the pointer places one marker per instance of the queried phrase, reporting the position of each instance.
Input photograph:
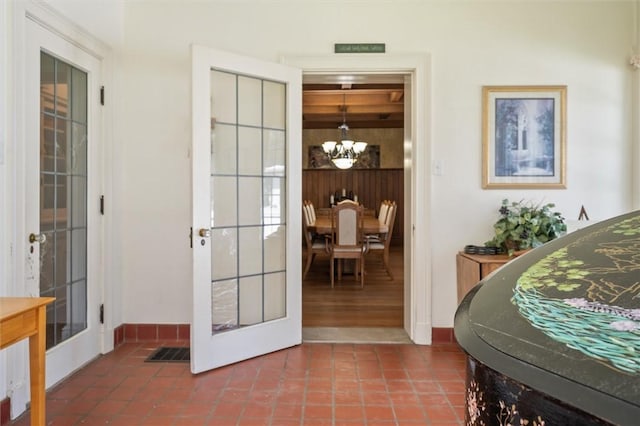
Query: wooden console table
(471, 268)
(22, 317)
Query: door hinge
(102, 95)
(102, 313)
(102, 205)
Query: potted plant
(524, 226)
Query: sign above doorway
(359, 48)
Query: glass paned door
(63, 226)
(63, 197)
(246, 264)
(248, 201)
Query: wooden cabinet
(471, 268)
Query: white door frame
(417, 321)
(16, 161)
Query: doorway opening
(374, 106)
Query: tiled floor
(312, 384)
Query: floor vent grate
(164, 354)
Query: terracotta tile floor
(311, 384)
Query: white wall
(101, 18)
(584, 45)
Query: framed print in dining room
(524, 137)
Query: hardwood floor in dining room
(378, 304)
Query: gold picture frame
(524, 137)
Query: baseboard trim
(150, 333)
(5, 412)
(173, 332)
(442, 335)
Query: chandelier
(345, 153)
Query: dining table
(370, 225)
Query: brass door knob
(37, 238)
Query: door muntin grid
(63, 196)
(248, 200)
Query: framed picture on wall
(523, 137)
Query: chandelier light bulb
(329, 146)
(343, 163)
(359, 147)
(347, 144)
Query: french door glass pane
(224, 306)
(247, 200)
(224, 253)
(274, 151)
(224, 204)
(276, 291)
(250, 253)
(250, 201)
(250, 300)
(78, 164)
(223, 149)
(250, 141)
(63, 196)
(249, 101)
(274, 94)
(62, 86)
(223, 97)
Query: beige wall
(389, 140)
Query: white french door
(62, 178)
(246, 160)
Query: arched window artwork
(523, 136)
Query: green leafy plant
(524, 226)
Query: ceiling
(362, 101)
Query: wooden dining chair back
(313, 244)
(305, 213)
(311, 211)
(381, 246)
(382, 218)
(347, 240)
(384, 209)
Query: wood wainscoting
(370, 185)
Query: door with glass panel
(62, 248)
(246, 233)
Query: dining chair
(380, 245)
(347, 241)
(348, 201)
(311, 210)
(382, 218)
(314, 245)
(305, 212)
(382, 212)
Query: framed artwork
(523, 137)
